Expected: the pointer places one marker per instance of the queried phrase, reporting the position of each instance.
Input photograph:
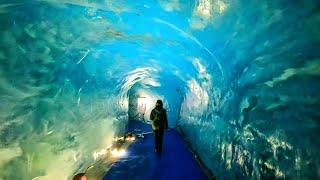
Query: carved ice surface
(241, 79)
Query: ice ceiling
(241, 78)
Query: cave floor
(141, 162)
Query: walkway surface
(175, 162)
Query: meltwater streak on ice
(84, 56)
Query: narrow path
(175, 162)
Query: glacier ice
(240, 78)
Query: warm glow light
(118, 152)
(132, 138)
(118, 138)
(100, 153)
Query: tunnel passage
(240, 78)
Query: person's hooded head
(159, 104)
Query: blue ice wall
(57, 105)
(261, 119)
(240, 78)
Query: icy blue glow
(241, 78)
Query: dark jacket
(162, 123)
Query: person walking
(159, 120)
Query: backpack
(157, 121)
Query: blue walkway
(175, 162)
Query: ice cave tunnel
(240, 80)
